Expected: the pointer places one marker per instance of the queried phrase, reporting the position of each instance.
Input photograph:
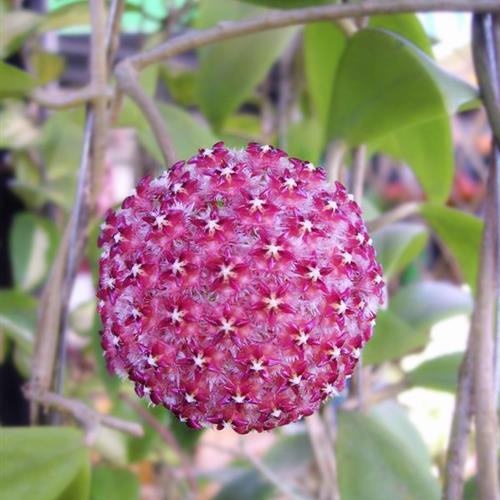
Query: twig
(486, 50)
(280, 19)
(334, 159)
(126, 75)
(167, 437)
(89, 418)
(282, 486)
(460, 428)
(324, 454)
(396, 214)
(64, 99)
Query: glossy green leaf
(413, 309)
(186, 132)
(32, 245)
(428, 149)
(461, 233)
(406, 25)
(384, 83)
(230, 71)
(425, 303)
(324, 44)
(15, 27)
(181, 84)
(304, 140)
(439, 373)
(398, 244)
(14, 82)
(47, 66)
(18, 317)
(44, 463)
(112, 483)
(393, 338)
(376, 463)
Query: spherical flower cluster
(238, 288)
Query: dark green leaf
(406, 25)
(398, 244)
(427, 148)
(113, 484)
(324, 44)
(18, 317)
(461, 233)
(439, 373)
(44, 463)
(32, 243)
(376, 463)
(384, 83)
(229, 71)
(14, 82)
(181, 84)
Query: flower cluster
(238, 288)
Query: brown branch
(486, 51)
(88, 418)
(126, 75)
(324, 454)
(167, 436)
(396, 214)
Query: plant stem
(396, 214)
(486, 52)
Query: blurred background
(396, 447)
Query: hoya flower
(238, 288)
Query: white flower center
(151, 360)
(178, 187)
(227, 325)
(314, 273)
(178, 266)
(227, 271)
(257, 204)
(301, 338)
(346, 257)
(109, 282)
(190, 398)
(212, 225)
(272, 250)
(265, 148)
(290, 183)
(331, 205)
(272, 302)
(340, 307)
(177, 315)
(199, 360)
(276, 413)
(329, 390)
(307, 226)
(295, 380)
(257, 365)
(334, 353)
(238, 398)
(160, 221)
(136, 270)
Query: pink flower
(238, 288)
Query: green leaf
(112, 483)
(32, 244)
(440, 374)
(425, 303)
(376, 463)
(461, 234)
(404, 326)
(324, 44)
(44, 463)
(181, 84)
(229, 71)
(406, 25)
(18, 131)
(304, 140)
(384, 82)
(398, 244)
(392, 339)
(18, 317)
(428, 149)
(187, 133)
(69, 15)
(15, 27)
(47, 66)
(14, 82)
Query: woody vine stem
(477, 376)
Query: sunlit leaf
(289, 4)
(69, 15)
(229, 71)
(439, 373)
(44, 463)
(47, 66)
(324, 44)
(461, 233)
(14, 82)
(32, 243)
(398, 244)
(304, 140)
(18, 317)
(384, 82)
(392, 467)
(15, 27)
(18, 131)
